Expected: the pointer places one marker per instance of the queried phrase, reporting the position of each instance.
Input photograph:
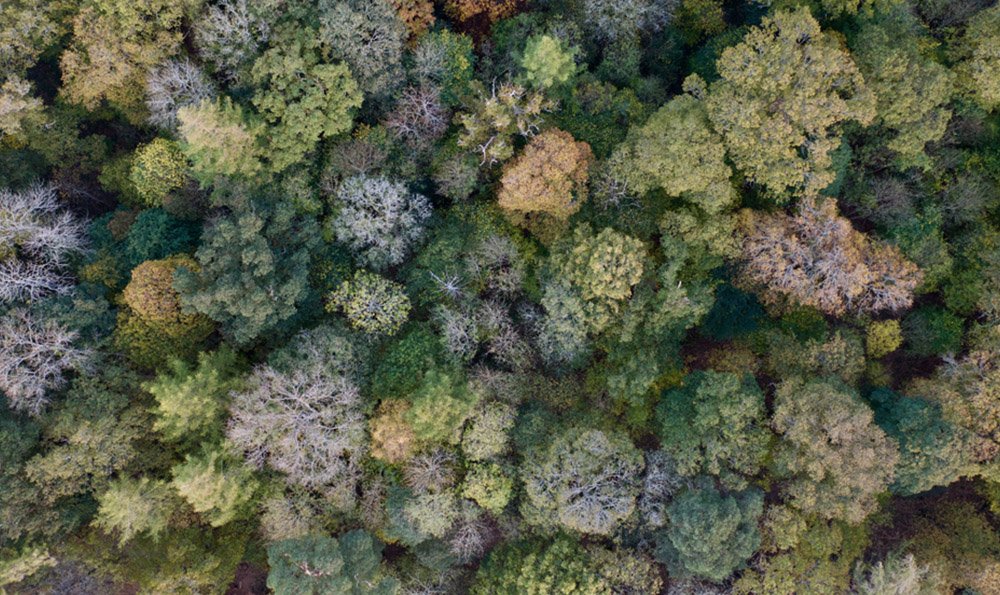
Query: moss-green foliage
(215, 484)
(157, 169)
(441, 404)
(932, 331)
(489, 486)
(715, 424)
(547, 62)
(372, 304)
(132, 507)
(401, 366)
(349, 565)
(711, 534)
(536, 567)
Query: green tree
(488, 486)
(715, 424)
(302, 97)
(441, 405)
(586, 480)
(548, 62)
(836, 460)
(368, 36)
(219, 140)
(133, 506)
(191, 400)
(912, 90)
(783, 93)
(372, 304)
(158, 168)
(677, 150)
(979, 71)
(711, 534)
(216, 484)
(254, 271)
(539, 567)
(316, 565)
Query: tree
(379, 220)
(231, 34)
(26, 30)
(254, 271)
(711, 534)
(304, 417)
(174, 85)
(836, 460)
(547, 62)
(154, 327)
(216, 484)
(586, 480)
(784, 91)
(419, 117)
(219, 140)
(440, 407)
(35, 357)
(158, 168)
(611, 20)
(487, 435)
(115, 45)
(18, 109)
(315, 565)
(190, 400)
(715, 424)
(488, 486)
(368, 36)
(444, 59)
(38, 240)
(539, 567)
(372, 304)
(417, 15)
(302, 97)
(133, 506)
(488, 128)
(677, 151)
(912, 90)
(896, 574)
(979, 72)
(817, 259)
(490, 10)
(548, 179)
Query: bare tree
(307, 423)
(173, 85)
(230, 34)
(37, 239)
(430, 471)
(419, 117)
(34, 358)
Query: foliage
(218, 140)
(546, 62)
(534, 567)
(715, 424)
(883, 337)
(782, 96)
(488, 486)
(348, 565)
(254, 267)
(302, 97)
(979, 69)
(586, 480)
(216, 485)
(372, 304)
(711, 534)
(440, 406)
(836, 459)
(495, 117)
(852, 272)
(368, 36)
(130, 507)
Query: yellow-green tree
(979, 72)
(783, 93)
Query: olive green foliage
(157, 169)
(586, 481)
(496, 116)
(190, 399)
(302, 97)
(372, 304)
(441, 404)
(677, 150)
(348, 565)
(219, 140)
(836, 459)
(488, 486)
(783, 94)
(368, 36)
(979, 72)
(932, 331)
(715, 424)
(254, 271)
(130, 507)
(547, 62)
(216, 484)
(539, 567)
(884, 337)
(711, 534)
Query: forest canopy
(402, 297)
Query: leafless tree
(307, 423)
(419, 117)
(230, 34)
(34, 358)
(471, 538)
(430, 471)
(37, 239)
(171, 86)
